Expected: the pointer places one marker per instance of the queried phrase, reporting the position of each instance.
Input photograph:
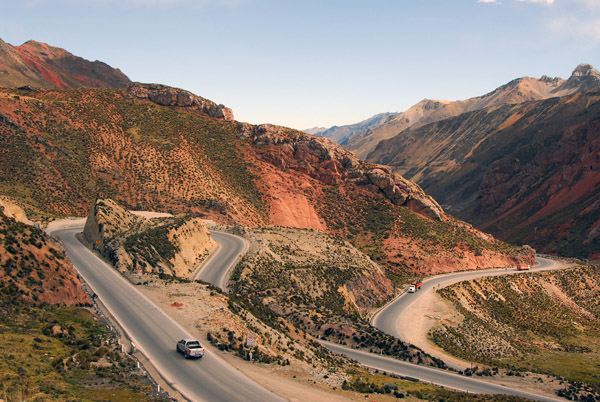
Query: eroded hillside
(34, 266)
(157, 148)
(173, 246)
(305, 281)
(527, 173)
(546, 322)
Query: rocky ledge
(328, 162)
(171, 245)
(167, 96)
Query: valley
(287, 255)
(520, 162)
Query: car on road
(190, 348)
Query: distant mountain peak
(583, 78)
(585, 70)
(43, 50)
(38, 64)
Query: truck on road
(415, 286)
(190, 348)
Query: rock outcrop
(12, 210)
(331, 164)
(167, 96)
(173, 246)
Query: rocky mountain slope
(66, 148)
(34, 266)
(172, 246)
(528, 172)
(40, 65)
(363, 140)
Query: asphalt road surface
(210, 378)
(155, 334)
(217, 268)
(387, 318)
(387, 321)
(431, 375)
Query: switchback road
(387, 320)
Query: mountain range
(363, 137)
(527, 124)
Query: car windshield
(194, 344)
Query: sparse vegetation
(153, 245)
(547, 322)
(34, 265)
(54, 353)
(309, 285)
(402, 241)
(377, 383)
(166, 158)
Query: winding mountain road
(155, 334)
(388, 320)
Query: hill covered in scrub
(65, 149)
(34, 266)
(546, 322)
(173, 246)
(309, 284)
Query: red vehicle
(523, 267)
(415, 286)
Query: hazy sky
(303, 63)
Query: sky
(306, 63)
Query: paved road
(434, 376)
(217, 268)
(155, 334)
(387, 318)
(210, 378)
(387, 321)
